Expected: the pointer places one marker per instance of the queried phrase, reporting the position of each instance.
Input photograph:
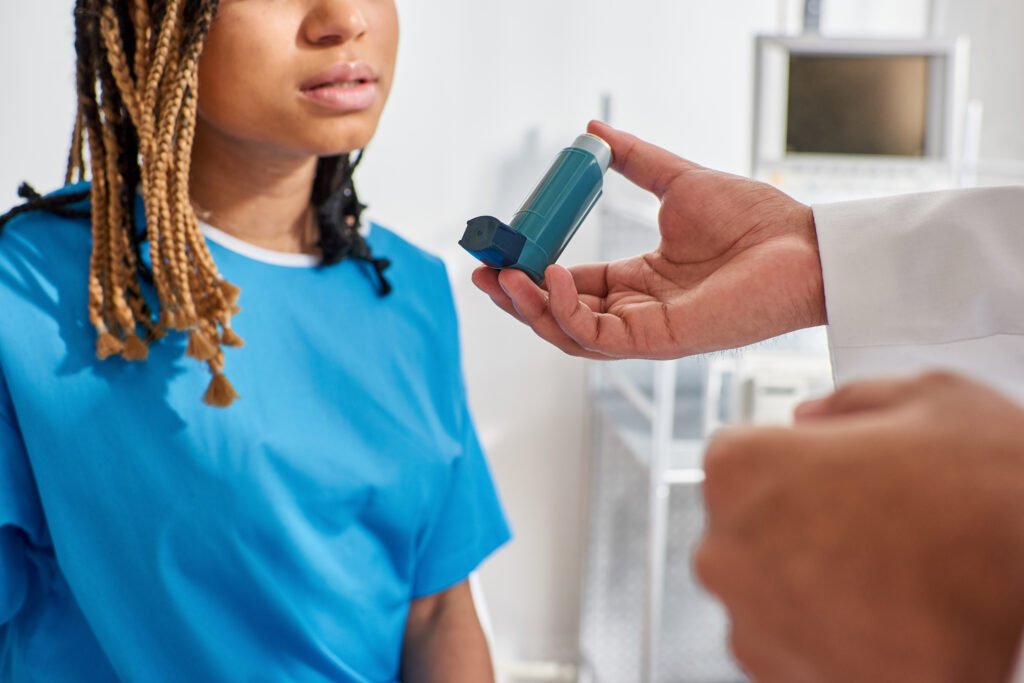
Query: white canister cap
(601, 150)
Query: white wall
(488, 91)
(37, 104)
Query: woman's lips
(345, 97)
(345, 87)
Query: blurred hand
(880, 539)
(738, 262)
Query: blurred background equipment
(837, 119)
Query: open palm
(738, 262)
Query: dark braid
(339, 217)
(60, 205)
(157, 11)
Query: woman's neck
(256, 194)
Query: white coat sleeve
(927, 281)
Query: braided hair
(137, 78)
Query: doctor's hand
(738, 262)
(880, 539)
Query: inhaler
(542, 228)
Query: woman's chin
(340, 139)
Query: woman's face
(298, 77)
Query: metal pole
(657, 515)
(812, 16)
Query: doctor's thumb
(647, 166)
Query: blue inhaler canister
(542, 228)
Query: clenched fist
(880, 539)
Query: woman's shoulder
(390, 244)
(420, 280)
(409, 262)
(45, 249)
(55, 229)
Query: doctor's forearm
(444, 642)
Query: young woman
(322, 527)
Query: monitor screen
(862, 105)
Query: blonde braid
(142, 126)
(114, 42)
(170, 31)
(224, 294)
(139, 10)
(143, 39)
(183, 263)
(190, 263)
(115, 219)
(108, 342)
(153, 190)
(191, 257)
(157, 163)
(118, 95)
(220, 392)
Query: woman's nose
(335, 21)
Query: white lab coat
(927, 281)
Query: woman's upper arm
(428, 611)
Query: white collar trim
(262, 254)
(251, 251)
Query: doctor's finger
(644, 164)
(590, 279)
(596, 332)
(531, 304)
(486, 280)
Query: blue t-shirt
(145, 536)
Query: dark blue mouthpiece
(492, 242)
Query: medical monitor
(864, 105)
